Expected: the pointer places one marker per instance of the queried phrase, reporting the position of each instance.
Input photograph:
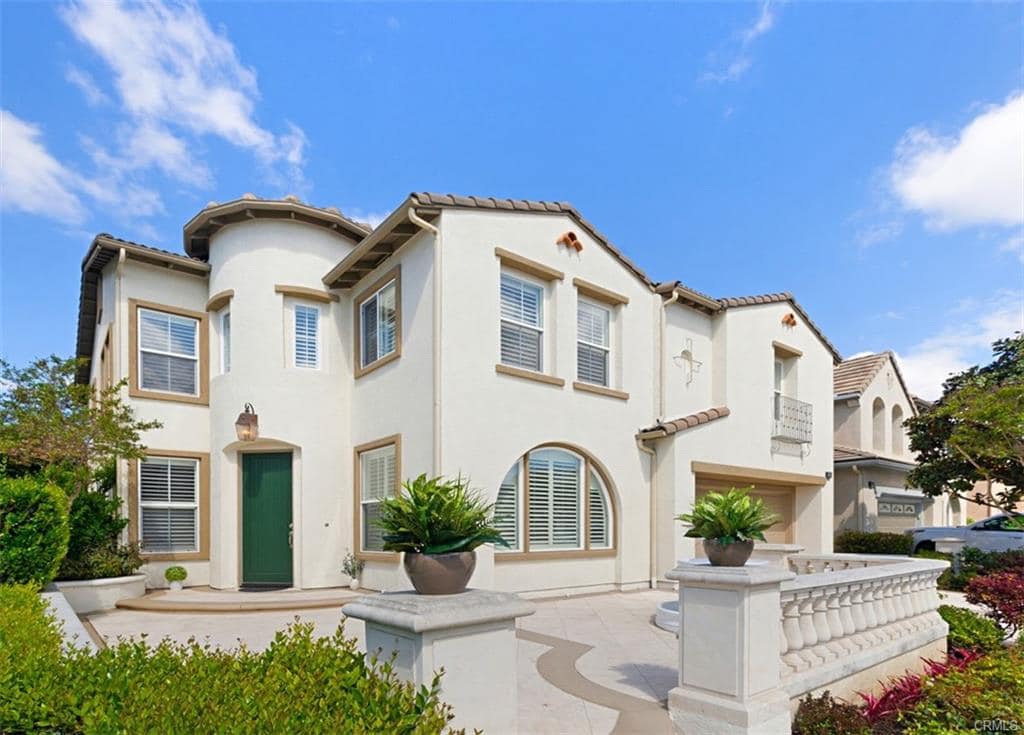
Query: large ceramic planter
(92, 595)
(728, 555)
(440, 574)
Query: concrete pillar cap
(421, 613)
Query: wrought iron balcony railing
(792, 420)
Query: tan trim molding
(732, 472)
(786, 350)
(304, 292)
(204, 505)
(357, 515)
(528, 375)
(599, 293)
(134, 384)
(395, 274)
(219, 300)
(600, 390)
(532, 267)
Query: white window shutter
(168, 352)
(598, 532)
(522, 323)
(169, 504)
(377, 481)
(554, 479)
(592, 345)
(307, 336)
(506, 509)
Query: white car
(990, 534)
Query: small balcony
(792, 420)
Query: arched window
(555, 499)
(897, 430)
(878, 425)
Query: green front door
(267, 519)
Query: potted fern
(438, 524)
(728, 523)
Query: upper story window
(554, 500)
(307, 336)
(522, 323)
(168, 352)
(168, 504)
(878, 425)
(377, 473)
(792, 419)
(225, 342)
(593, 343)
(379, 323)
(897, 430)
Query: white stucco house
(872, 452)
(503, 340)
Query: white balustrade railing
(852, 604)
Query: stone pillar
(472, 636)
(729, 642)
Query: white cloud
(31, 179)
(1014, 244)
(84, 81)
(179, 80)
(976, 326)
(734, 59)
(373, 219)
(973, 178)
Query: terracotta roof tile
(667, 428)
(852, 377)
(845, 454)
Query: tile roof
(431, 199)
(732, 302)
(667, 428)
(851, 454)
(852, 377)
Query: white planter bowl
(174, 586)
(667, 616)
(93, 595)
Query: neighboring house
(872, 454)
(504, 340)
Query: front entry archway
(267, 538)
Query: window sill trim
(528, 375)
(600, 390)
(174, 556)
(201, 400)
(512, 556)
(389, 556)
(378, 363)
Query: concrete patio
(592, 664)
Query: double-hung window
(522, 323)
(168, 352)
(307, 336)
(593, 326)
(225, 339)
(378, 324)
(169, 504)
(378, 469)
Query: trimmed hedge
(299, 684)
(862, 542)
(968, 629)
(33, 530)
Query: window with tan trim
(169, 505)
(378, 323)
(377, 476)
(555, 500)
(168, 353)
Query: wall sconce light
(871, 484)
(247, 426)
(828, 476)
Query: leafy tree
(49, 422)
(975, 433)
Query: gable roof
(668, 428)
(395, 230)
(852, 377)
(733, 302)
(198, 230)
(103, 249)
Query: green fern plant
(437, 516)
(729, 517)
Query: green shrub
(730, 517)
(107, 561)
(824, 715)
(861, 542)
(946, 580)
(175, 574)
(96, 523)
(299, 684)
(33, 530)
(968, 629)
(989, 689)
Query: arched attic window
(878, 425)
(897, 430)
(556, 500)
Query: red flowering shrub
(903, 692)
(1003, 596)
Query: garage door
(895, 516)
(779, 499)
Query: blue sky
(868, 157)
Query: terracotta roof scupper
(667, 428)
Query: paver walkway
(587, 665)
